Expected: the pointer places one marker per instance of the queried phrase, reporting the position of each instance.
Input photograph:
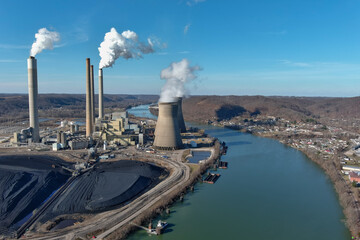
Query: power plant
(101, 93)
(180, 116)
(33, 98)
(167, 131)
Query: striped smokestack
(88, 100)
(33, 98)
(101, 92)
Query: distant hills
(217, 108)
(195, 108)
(65, 105)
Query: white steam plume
(125, 45)
(176, 76)
(44, 40)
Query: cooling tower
(167, 131)
(180, 116)
(101, 92)
(88, 100)
(33, 95)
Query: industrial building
(118, 129)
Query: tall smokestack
(167, 131)
(92, 96)
(180, 116)
(88, 100)
(101, 92)
(33, 98)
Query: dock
(211, 178)
(223, 165)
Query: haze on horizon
(297, 48)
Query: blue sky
(245, 47)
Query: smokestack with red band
(33, 98)
(101, 92)
(180, 116)
(167, 131)
(89, 126)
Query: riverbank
(169, 199)
(346, 195)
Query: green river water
(269, 192)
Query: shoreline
(350, 206)
(166, 203)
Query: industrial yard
(97, 176)
(104, 177)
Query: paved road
(115, 219)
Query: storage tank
(167, 131)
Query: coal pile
(106, 186)
(26, 182)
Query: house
(354, 177)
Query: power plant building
(119, 130)
(167, 131)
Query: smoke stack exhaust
(89, 126)
(167, 131)
(92, 96)
(101, 92)
(180, 116)
(33, 98)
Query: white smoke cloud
(125, 45)
(176, 77)
(44, 40)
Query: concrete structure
(120, 131)
(76, 128)
(92, 96)
(33, 98)
(72, 128)
(80, 143)
(58, 137)
(89, 126)
(16, 137)
(167, 131)
(180, 116)
(63, 140)
(141, 139)
(101, 95)
(118, 115)
(56, 147)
